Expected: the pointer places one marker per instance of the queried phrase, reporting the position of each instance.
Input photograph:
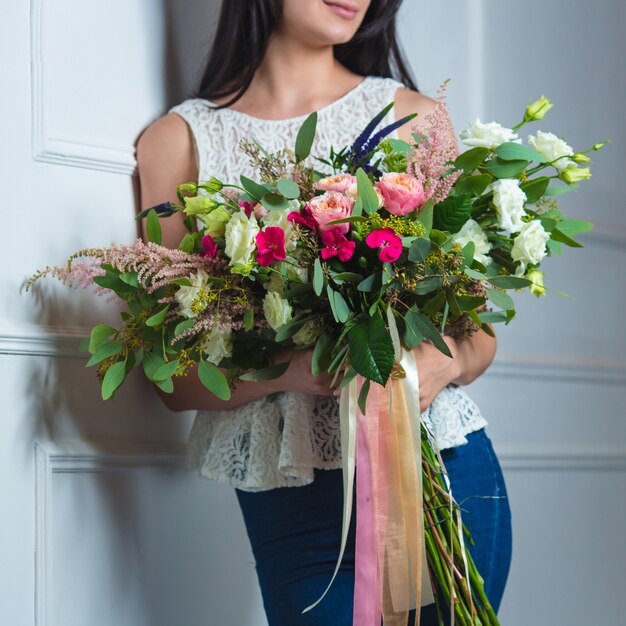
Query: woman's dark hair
(244, 28)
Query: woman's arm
(471, 355)
(166, 159)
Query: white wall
(100, 521)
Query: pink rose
(339, 182)
(402, 192)
(329, 207)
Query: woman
(272, 63)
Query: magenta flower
(210, 247)
(271, 245)
(304, 218)
(389, 243)
(336, 245)
(246, 206)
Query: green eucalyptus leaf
(511, 151)
(535, 189)
(186, 244)
(153, 227)
(350, 277)
(166, 370)
(98, 334)
(561, 237)
(474, 185)
(419, 249)
(366, 192)
(130, 278)
(253, 188)
(158, 318)
(428, 285)
(288, 188)
(248, 319)
(426, 216)
(574, 227)
(151, 363)
(499, 168)
(500, 299)
(322, 352)
(318, 277)
(305, 136)
(471, 159)
(559, 190)
(104, 351)
(509, 282)
(166, 385)
(274, 201)
(213, 379)
(113, 378)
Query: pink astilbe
(429, 161)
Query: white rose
(186, 295)
(509, 201)
(279, 218)
(240, 234)
(489, 135)
(529, 246)
(471, 231)
(551, 147)
(308, 334)
(217, 344)
(276, 309)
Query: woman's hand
(298, 377)
(436, 370)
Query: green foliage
(366, 192)
(371, 349)
(322, 353)
(318, 277)
(113, 378)
(288, 188)
(305, 136)
(213, 379)
(98, 334)
(511, 151)
(153, 227)
(499, 168)
(452, 213)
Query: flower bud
(536, 282)
(362, 261)
(199, 205)
(213, 185)
(580, 158)
(599, 146)
(537, 110)
(188, 187)
(572, 174)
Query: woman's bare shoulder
(409, 101)
(166, 143)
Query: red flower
(304, 218)
(336, 245)
(271, 245)
(246, 206)
(389, 243)
(210, 247)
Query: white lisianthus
(240, 235)
(308, 334)
(279, 218)
(489, 135)
(529, 246)
(471, 231)
(217, 344)
(276, 309)
(509, 201)
(552, 147)
(185, 295)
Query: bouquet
(382, 245)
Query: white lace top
(277, 442)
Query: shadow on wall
(63, 399)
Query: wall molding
(73, 457)
(47, 148)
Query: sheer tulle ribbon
(384, 446)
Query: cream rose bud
(240, 237)
(537, 110)
(308, 334)
(185, 295)
(553, 148)
(471, 231)
(276, 309)
(529, 246)
(572, 174)
(489, 135)
(217, 344)
(509, 201)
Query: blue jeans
(295, 535)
